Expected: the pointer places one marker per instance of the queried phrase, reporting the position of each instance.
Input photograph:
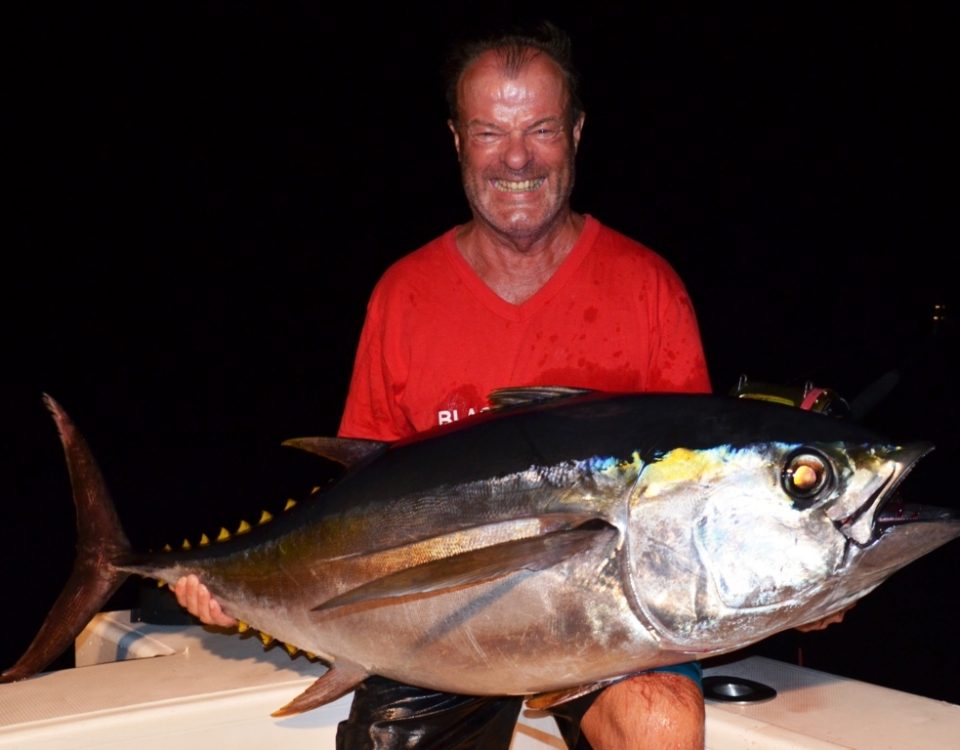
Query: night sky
(203, 196)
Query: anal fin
(335, 682)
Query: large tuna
(543, 548)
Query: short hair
(545, 37)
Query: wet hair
(514, 47)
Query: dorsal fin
(506, 398)
(349, 452)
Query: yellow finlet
(224, 535)
(264, 518)
(290, 503)
(244, 527)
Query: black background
(201, 197)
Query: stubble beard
(513, 225)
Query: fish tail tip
(52, 405)
(60, 417)
(12, 675)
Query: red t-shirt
(614, 317)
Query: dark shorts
(388, 715)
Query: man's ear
(456, 136)
(577, 129)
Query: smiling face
(516, 144)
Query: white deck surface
(187, 687)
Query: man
(528, 292)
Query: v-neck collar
(529, 307)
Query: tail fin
(100, 541)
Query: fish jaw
(903, 533)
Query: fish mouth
(902, 532)
(863, 528)
(886, 533)
(896, 512)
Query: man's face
(516, 145)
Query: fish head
(730, 543)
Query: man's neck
(517, 268)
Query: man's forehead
(504, 66)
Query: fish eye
(806, 476)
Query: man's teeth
(517, 186)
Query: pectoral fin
(339, 680)
(476, 566)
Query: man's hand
(650, 711)
(195, 597)
(824, 622)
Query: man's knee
(659, 710)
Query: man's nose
(518, 153)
